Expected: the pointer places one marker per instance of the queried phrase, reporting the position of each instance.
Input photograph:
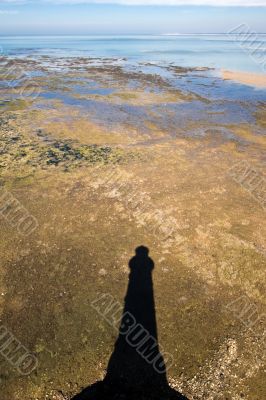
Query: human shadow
(136, 369)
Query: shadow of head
(142, 252)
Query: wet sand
(246, 78)
(105, 168)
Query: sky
(111, 17)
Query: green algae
(87, 234)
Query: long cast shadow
(136, 369)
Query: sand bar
(247, 78)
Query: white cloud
(8, 12)
(171, 2)
(240, 3)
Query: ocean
(209, 50)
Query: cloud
(173, 2)
(240, 3)
(8, 12)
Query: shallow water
(216, 51)
(175, 132)
(136, 96)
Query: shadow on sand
(136, 369)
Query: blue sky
(18, 17)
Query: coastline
(246, 78)
(106, 158)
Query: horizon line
(121, 34)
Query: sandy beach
(246, 78)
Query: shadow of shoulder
(101, 391)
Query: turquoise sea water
(217, 51)
(49, 63)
